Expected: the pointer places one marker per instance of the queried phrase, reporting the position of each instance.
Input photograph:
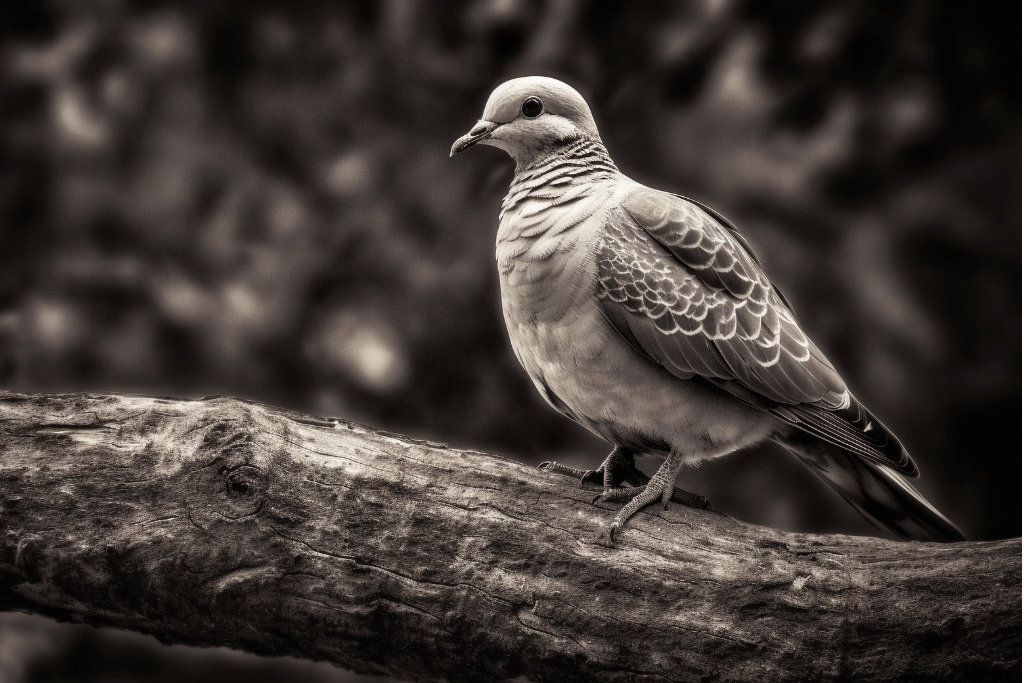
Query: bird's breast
(548, 274)
(546, 253)
(546, 266)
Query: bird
(647, 318)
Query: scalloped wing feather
(686, 292)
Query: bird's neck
(583, 161)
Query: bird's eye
(532, 107)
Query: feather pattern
(681, 287)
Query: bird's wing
(684, 290)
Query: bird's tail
(877, 492)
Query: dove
(647, 318)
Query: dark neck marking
(580, 161)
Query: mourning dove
(646, 317)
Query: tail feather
(876, 491)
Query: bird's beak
(481, 131)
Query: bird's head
(529, 118)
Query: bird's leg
(659, 486)
(616, 468)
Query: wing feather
(681, 285)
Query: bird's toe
(688, 499)
(593, 477)
(558, 468)
(618, 495)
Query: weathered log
(224, 522)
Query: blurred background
(255, 199)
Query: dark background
(255, 199)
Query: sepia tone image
(307, 205)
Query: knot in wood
(229, 483)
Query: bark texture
(222, 522)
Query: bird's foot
(558, 468)
(648, 490)
(680, 496)
(585, 476)
(619, 466)
(618, 494)
(638, 497)
(692, 500)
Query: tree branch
(222, 522)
